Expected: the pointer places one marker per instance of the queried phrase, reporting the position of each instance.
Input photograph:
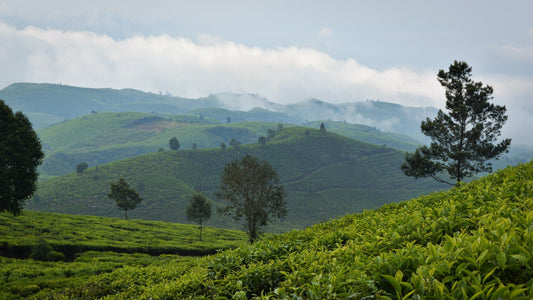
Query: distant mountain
(325, 174)
(47, 104)
(65, 102)
(382, 115)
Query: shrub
(41, 250)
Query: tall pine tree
(464, 138)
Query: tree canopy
(174, 144)
(126, 197)
(199, 210)
(464, 138)
(322, 128)
(81, 167)
(251, 187)
(20, 155)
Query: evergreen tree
(125, 196)
(322, 128)
(174, 144)
(81, 167)
(464, 138)
(199, 210)
(252, 189)
(20, 155)
(270, 134)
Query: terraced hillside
(326, 175)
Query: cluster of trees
(270, 134)
(250, 187)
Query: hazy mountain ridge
(46, 104)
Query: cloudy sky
(286, 51)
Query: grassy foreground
(472, 242)
(71, 235)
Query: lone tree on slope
(199, 210)
(254, 195)
(125, 196)
(174, 144)
(20, 155)
(81, 167)
(463, 139)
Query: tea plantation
(472, 242)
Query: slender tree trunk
(200, 231)
(125, 214)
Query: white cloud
(192, 68)
(195, 68)
(324, 32)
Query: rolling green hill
(472, 242)
(99, 138)
(369, 134)
(326, 175)
(51, 103)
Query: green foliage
(199, 210)
(126, 197)
(472, 242)
(72, 234)
(174, 144)
(464, 138)
(252, 189)
(81, 167)
(20, 155)
(322, 128)
(369, 134)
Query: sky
(286, 51)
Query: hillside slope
(326, 175)
(472, 242)
(99, 138)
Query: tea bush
(472, 242)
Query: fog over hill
(46, 104)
